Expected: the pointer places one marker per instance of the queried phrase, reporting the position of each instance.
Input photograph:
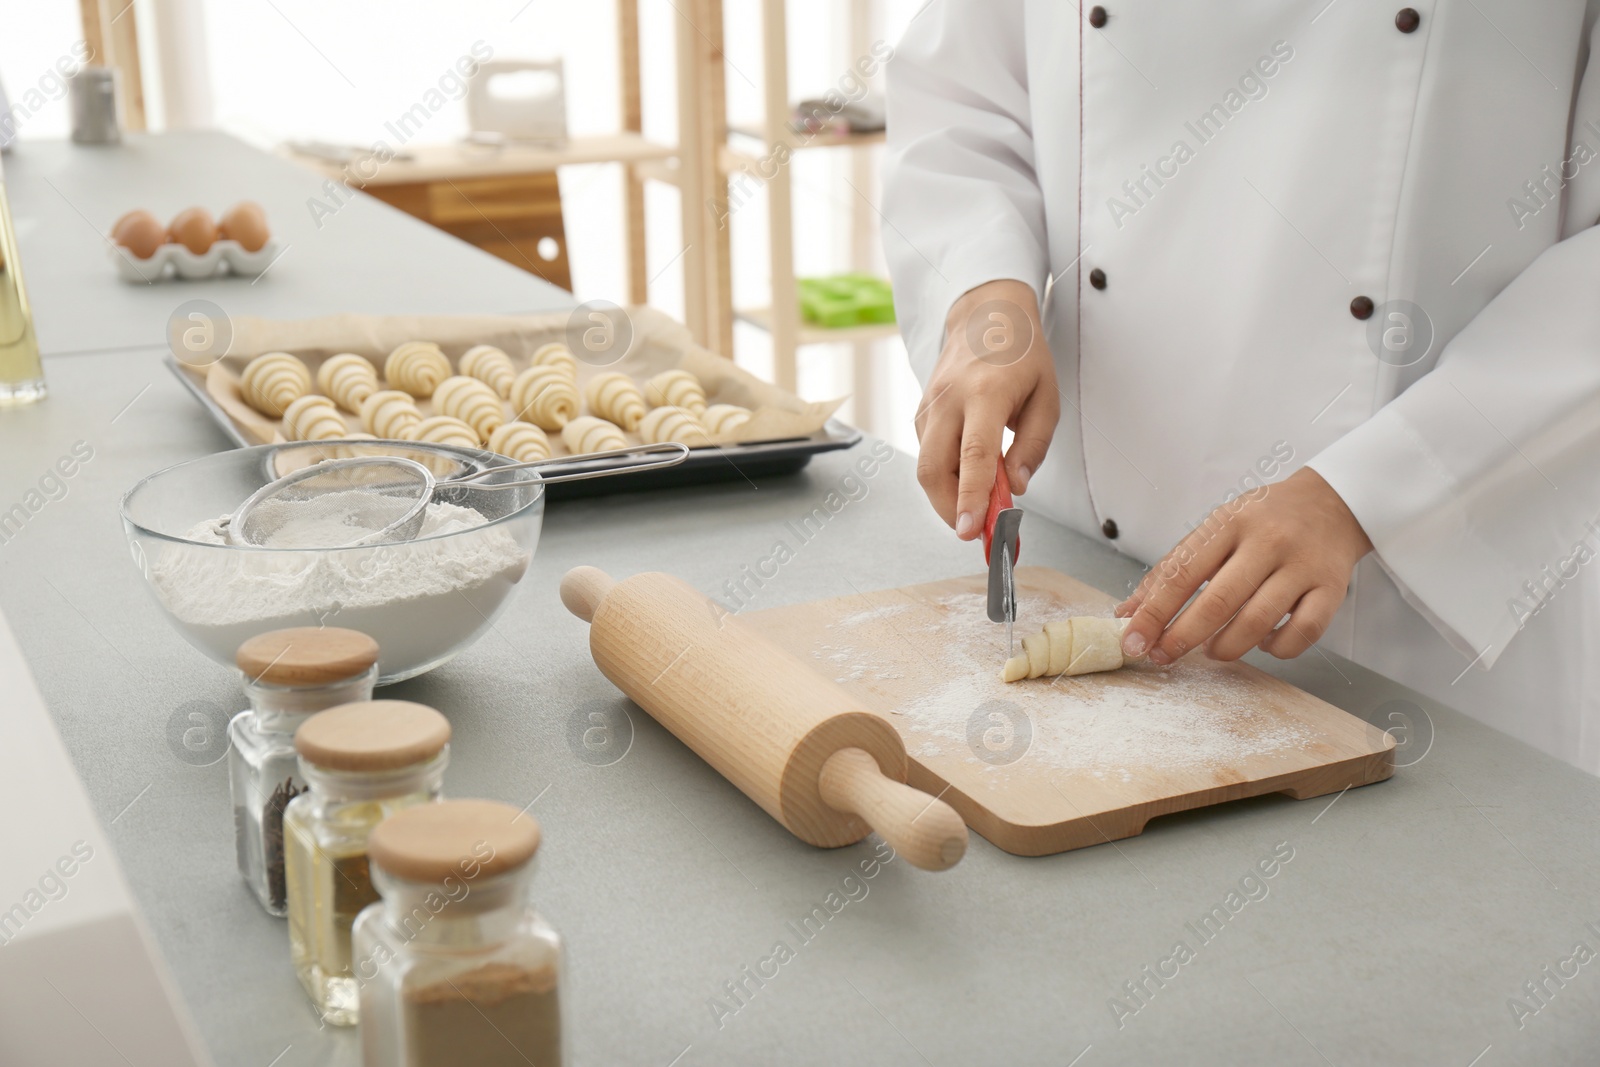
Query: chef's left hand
(1285, 549)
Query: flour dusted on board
(1182, 717)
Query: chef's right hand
(995, 371)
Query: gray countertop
(1409, 913)
(355, 254)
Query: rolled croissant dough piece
(1078, 645)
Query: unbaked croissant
(489, 365)
(471, 401)
(356, 451)
(273, 381)
(417, 367)
(615, 398)
(666, 424)
(544, 396)
(348, 379)
(443, 430)
(557, 355)
(522, 441)
(589, 434)
(1078, 645)
(313, 418)
(389, 413)
(676, 389)
(722, 419)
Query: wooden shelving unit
(110, 30)
(741, 148)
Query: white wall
(34, 39)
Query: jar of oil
(21, 373)
(363, 762)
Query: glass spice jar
(363, 762)
(454, 965)
(289, 675)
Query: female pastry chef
(1310, 291)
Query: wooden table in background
(505, 200)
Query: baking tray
(740, 462)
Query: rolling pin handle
(582, 589)
(923, 829)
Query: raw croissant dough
(273, 381)
(615, 398)
(417, 367)
(522, 441)
(348, 379)
(491, 366)
(544, 396)
(313, 418)
(589, 434)
(1079, 645)
(676, 389)
(353, 451)
(556, 355)
(663, 425)
(443, 430)
(473, 402)
(390, 413)
(725, 418)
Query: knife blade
(1002, 570)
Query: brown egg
(246, 223)
(140, 233)
(194, 229)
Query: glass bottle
(21, 373)
(289, 675)
(363, 762)
(454, 964)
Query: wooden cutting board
(1047, 765)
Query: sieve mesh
(370, 500)
(336, 504)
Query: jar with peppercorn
(289, 675)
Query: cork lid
(306, 655)
(372, 735)
(460, 838)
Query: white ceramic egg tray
(176, 261)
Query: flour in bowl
(420, 599)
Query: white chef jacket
(1211, 194)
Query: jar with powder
(455, 965)
(289, 675)
(363, 762)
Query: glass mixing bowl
(423, 600)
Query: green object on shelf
(843, 300)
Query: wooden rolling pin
(792, 741)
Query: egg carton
(176, 261)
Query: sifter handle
(923, 829)
(669, 453)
